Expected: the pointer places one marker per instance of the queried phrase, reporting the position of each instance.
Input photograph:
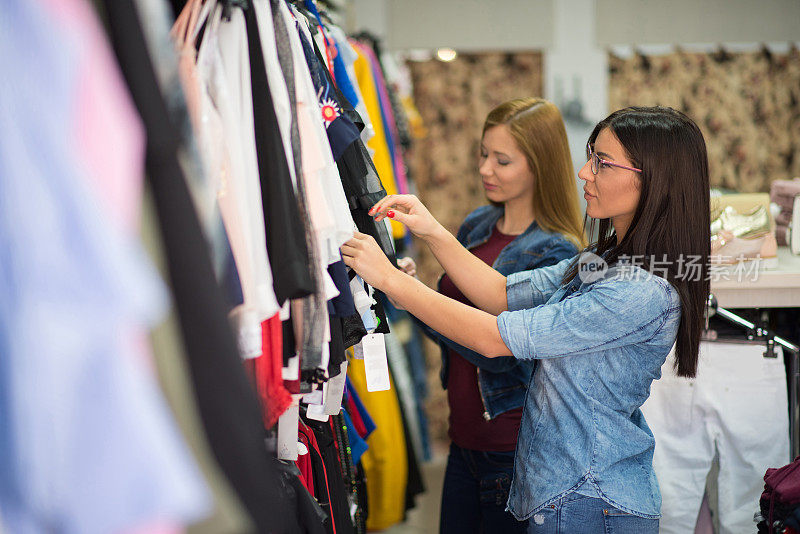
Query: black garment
(352, 330)
(289, 342)
(360, 180)
(336, 347)
(348, 471)
(332, 487)
(286, 240)
(361, 488)
(227, 406)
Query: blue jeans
(575, 513)
(476, 485)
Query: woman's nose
(484, 168)
(585, 173)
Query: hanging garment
(88, 443)
(203, 186)
(319, 158)
(349, 56)
(401, 373)
(239, 123)
(226, 403)
(736, 407)
(389, 123)
(385, 462)
(311, 325)
(285, 234)
(266, 372)
(381, 158)
(340, 433)
(337, 491)
(170, 356)
(206, 95)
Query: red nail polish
(390, 214)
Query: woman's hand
(407, 265)
(365, 257)
(408, 210)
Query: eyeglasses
(597, 161)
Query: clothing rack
(762, 333)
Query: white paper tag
(335, 391)
(317, 412)
(287, 431)
(292, 371)
(376, 366)
(315, 397)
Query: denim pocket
(620, 522)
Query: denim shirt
(599, 346)
(503, 381)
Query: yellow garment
(385, 462)
(381, 157)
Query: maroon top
(469, 429)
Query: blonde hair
(538, 129)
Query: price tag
(315, 397)
(376, 366)
(287, 431)
(317, 412)
(335, 391)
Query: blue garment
(599, 345)
(342, 132)
(576, 512)
(503, 381)
(342, 304)
(475, 492)
(343, 78)
(87, 443)
(358, 445)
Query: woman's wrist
(438, 237)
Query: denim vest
(599, 345)
(503, 381)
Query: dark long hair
(671, 223)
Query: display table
(772, 288)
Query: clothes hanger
(757, 334)
(228, 5)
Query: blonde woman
(532, 220)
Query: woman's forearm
(468, 326)
(479, 282)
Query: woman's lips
(489, 187)
(587, 195)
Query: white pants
(736, 406)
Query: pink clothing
(109, 136)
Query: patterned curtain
(746, 104)
(453, 99)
